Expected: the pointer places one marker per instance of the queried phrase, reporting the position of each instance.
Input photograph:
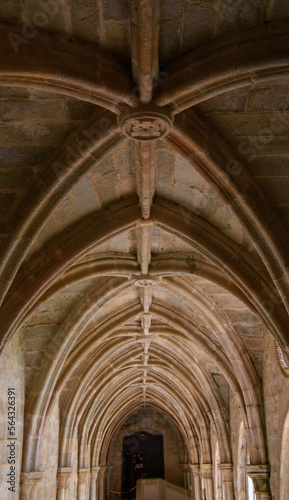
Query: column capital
(260, 475)
(195, 469)
(94, 471)
(109, 469)
(225, 467)
(33, 477)
(207, 470)
(102, 470)
(63, 475)
(29, 482)
(226, 471)
(258, 468)
(82, 475)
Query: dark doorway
(143, 457)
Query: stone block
(125, 163)
(199, 25)
(172, 9)
(276, 188)
(23, 156)
(7, 201)
(105, 188)
(112, 9)
(170, 40)
(103, 167)
(234, 101)
(84, 196)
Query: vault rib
(145, 168)
(144, 240)
(145, 18)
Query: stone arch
(158, 310)
(93, 361)
(219, 249)
(188, 137)
(105, 83)
(172, 436)
(180, 90)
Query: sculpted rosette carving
(144, 283)
(143, 128)
(145, 125)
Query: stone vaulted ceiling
(144, 211)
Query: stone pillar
(101, 474)
(63, 476)
(195, 470)
(207, 475)
(30, 482)
(93, 483)
(260, 476)
(187, 476)
(227, 481)
(82, 476)
(108, 473)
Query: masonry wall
(11, 376)
(50, 455)
(276, 403)
(50, 459)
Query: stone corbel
(102, 471)
(29, 482)
(94, 471)
(63, 476)
(82, 475)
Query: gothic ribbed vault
(144, 231)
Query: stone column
(108, 473)
(227, 481)
(195, 470)
(63, 476)
(186, 473)
(93, 483)
(29, 482)
(101, 474)
(82, 476)
(260, 476)
(207, 474)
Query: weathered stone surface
(11, 376)
(144, 218)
